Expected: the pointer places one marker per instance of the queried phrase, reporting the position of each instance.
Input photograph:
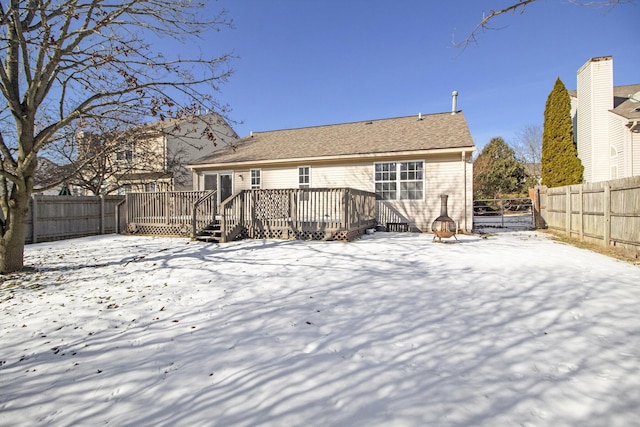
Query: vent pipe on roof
(419, 116)
(454, 102)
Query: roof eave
(276, 162)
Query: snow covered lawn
(389, 330)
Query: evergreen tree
(497, 171)
(560, 162)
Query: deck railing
(315, 213)
(205, 210)
(162, 212)
(297, 213)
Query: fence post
(102, 217)
(581, 216)
(607, 214)
(567, 210)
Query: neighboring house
(606, 122)
(156, 158)
(49, 179)
(408, 162)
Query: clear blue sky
(313, 62)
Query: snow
(388, 330)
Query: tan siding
(241, 180)
(280, 178)
(443, 175)
(359, 176)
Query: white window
(125, 154)
(613, 174)
(256, 179)
(399, 180)
(304, 177)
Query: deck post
(293, 207)
(345, 201)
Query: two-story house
(155, 158)
(606, 122)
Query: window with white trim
(125, 153)
(304, 177)
(256, 179)
(399, 180)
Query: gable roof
(384, 136)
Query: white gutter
(431, 152)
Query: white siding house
(606, 121)
(407, 161)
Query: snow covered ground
(389, 330)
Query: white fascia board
(275, 162)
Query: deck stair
(210, 233)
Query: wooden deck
(307, 214)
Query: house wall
(620, 164)
(187, 144)
(444, 174)
(595, 99)
(634, 142)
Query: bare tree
(488, 19)
(68, 62)
(528, 149)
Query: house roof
(623, 104)
(384, 136)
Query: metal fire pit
(443, 227)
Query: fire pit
(443, 226)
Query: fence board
(66, 217)
(607, 213)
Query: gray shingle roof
(395, 135)
(622, 103)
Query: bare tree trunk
(12, 240)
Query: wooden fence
(607, 213)
(67, 217)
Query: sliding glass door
(222, 182)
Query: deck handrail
(208, 204)
(232, 219)
(162, 208)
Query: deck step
(210, 233)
